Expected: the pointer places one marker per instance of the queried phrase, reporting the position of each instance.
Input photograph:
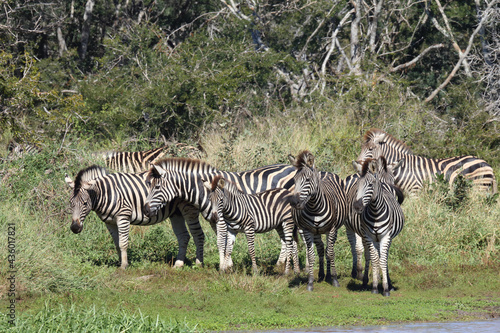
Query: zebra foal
(376, 216)
(319, 208)
(251, 213)
(414, 171)
(118, 199)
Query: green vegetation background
(205, 85)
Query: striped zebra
(320, 208)
(353, 218)
(375, 215)
(415, 171)
(251, 214)
(118, 200)
(20, 150)
(133, 162)
(183, 178)
(140, 161)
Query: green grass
(444, 264)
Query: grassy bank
(445, 264)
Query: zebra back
(133, 162)
(266, 209)
(414, 170)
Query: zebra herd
(294, 199)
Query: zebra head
(306, 179)
(366, 184)
(81, 201)
(216, 190)
(378, 143)
(162, 189)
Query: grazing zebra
(320, 208)
(415, 171)
(251, 213)
(376, 216)
(183, 178)
(19, 150)
(118, 200)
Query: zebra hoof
(178, 264)
(310, 287)
(374, 291)
(386, 293)
(335, 283)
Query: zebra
(320, 208)
(133, 162)
(352, 219)
(118, 199)
(251, 213)
(415, 170)
(183, 178)
(19, 150)
(375, 215)
(140, 161)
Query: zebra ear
(291, 158)
(88, 185)
(207, 184)
(69, 181)
(357, 166)
(396, 164)
(379, 138)
(158, 171)
(310, 161)
(221, 183)
(373, 166)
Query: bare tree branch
(462, 55)
(417, 58)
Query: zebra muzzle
(148, 211)
(358, 206)
(76, 226)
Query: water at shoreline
(482, 326)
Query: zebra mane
(229, 185)
(375, 135)
(88, 174)
(366, 165)
(304, 159)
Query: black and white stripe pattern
(183, 178)
(375, 215)
(118, 199)
(251, 213)
(133, 162)
(319, 208)
(20, 150)
(414, 171)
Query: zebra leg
(366, 245)
(250, 234)
(309, 239)
(222, 241)
(282, 257)
(331, 274)
(230, 238)
(191, 216)
(385, 244)
(375, 258)
(357, 253)
(320, 247)
(180, 231)
(113, 230)
(123, 225)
